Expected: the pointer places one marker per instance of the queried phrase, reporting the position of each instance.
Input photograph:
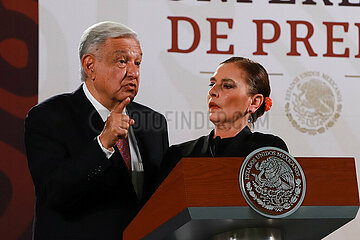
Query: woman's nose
(213, 92)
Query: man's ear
(88, 64)
(256, 102)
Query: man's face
(117, 71)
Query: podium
(201, 198)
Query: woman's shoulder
(177, 151)
(267, 140)
(186, 148)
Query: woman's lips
(213, 106)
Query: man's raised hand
(116, 126)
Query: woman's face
(228, 98)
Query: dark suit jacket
(80, 194)
(239, 146)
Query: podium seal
(272, 182)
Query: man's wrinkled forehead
(126, 44)
(122, 47)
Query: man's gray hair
(97, 34)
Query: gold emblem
(313, 102)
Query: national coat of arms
(272, 182)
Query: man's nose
(133, 70)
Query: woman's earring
(250, 119)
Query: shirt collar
(103, 111)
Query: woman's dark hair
(257, 79)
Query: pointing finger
(119, 108)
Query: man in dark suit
(94, 154)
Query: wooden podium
(201, 197)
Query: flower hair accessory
(268, 104)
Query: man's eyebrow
(124, 52)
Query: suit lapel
(140, 135)
(90, 121)
(85, 114)
(205, 149)
(143, 137)
(91, 124)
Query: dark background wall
(18, 93)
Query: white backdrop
(315, 101)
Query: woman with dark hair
(238, 96)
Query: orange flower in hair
(268, 104)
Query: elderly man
(94, 154)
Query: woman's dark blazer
(239, 146)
